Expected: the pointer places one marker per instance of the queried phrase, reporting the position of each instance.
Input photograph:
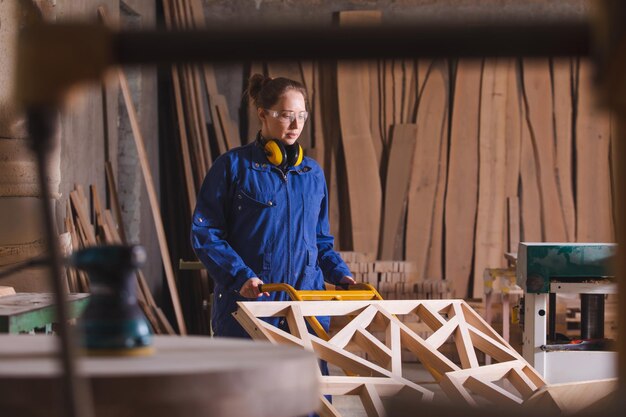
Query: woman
(262, 212)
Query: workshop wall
(83, 147)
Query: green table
(23, 312)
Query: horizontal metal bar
(434, 40)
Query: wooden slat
(434, 267)
(399, 168)
(539, 116)
(562, 79)
(530, 202)
(113, 199)
(431, 121)
(462, 193)
(594, 220)
(491, 199)
(513, 223)
(513, 154)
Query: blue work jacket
(253, 220)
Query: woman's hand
(250, 289)
(346, 280)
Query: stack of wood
(394, 280)
(205, 128)
(89, 223)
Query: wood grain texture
(431, 121)
(462, 193)
(491, 192)
(594, 220)
(539, 116)
(562, 80)
(399, 168)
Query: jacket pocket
(246, 198)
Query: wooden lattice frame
(445, 319)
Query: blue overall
(253, 220)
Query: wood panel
(594, 220)
(364, 187)
(491, 187)
(562, 80)
(462, 192)
(431, 121)
(513, 131)
(530, 201)
(539, 116)
(396, 188)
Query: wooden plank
(462, 189)
(513, 224)
(563, 108)
(491, 201)
(113, 199)
(594, 220)
(375, 104)
(364, 187)
(513, 154)
(434, 267)
(431, 121)
(530, 202)
(539, 116)
(570, 398)
(79, 208)
(180, 117)
(399, 167)
(154, 202)
(372, 402)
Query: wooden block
(6, 291)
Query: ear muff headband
(275, 152)
(278, 154)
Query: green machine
(547, 269)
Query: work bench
(23, 312)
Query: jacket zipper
(288, 227)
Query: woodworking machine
(547, 269)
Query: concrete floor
(350, 405)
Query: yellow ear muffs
(275, 151)
(299, 156)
